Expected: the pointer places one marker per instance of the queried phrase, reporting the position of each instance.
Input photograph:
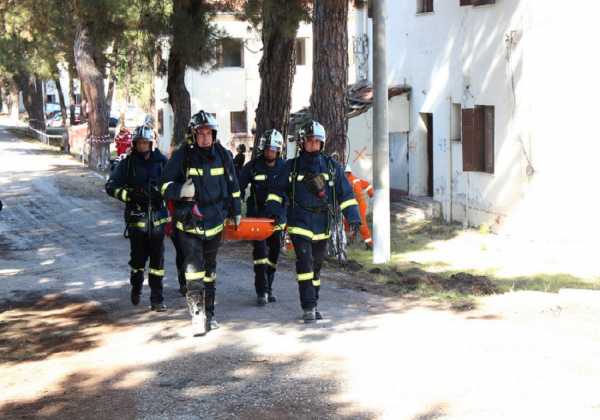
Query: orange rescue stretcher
(250, 229)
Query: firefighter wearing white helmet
(314, 186)
(261, 174)
(135, 182)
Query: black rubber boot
(158, 307)
(136, 293)
(260, 279)
(309, 316)
(136, 280)
(211, 323)
(182, 283)
(318, 315)
(270, 278)
(156, 291)
(209, 305)
(261, 300)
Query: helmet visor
(144, 133)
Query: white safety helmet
(313, 129)
(271, 139)
(143, 132)
(203, 119)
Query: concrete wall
(360, 137)
(457, 55)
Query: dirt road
(72, 346)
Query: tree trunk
(111, 90)
(91, 75)
(111, 77)
(31, 86)
(179, 97)
(277, 68)
(330, 72)
(83, 107)
(72, 99)
(61, 97)
(63, 112)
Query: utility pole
(381, 139)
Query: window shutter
(465, 2)
(488, 138)
(468, 137)
(478, 129)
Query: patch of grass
(438, 279)
(550, 283)
(408, 238)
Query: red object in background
(123, 141)
(170, 211)
(250, 229)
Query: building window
(230, 53)
(239, 125)
(424, 6)
(301, 52)
(456, 127)
(478, 139)
(476, 2)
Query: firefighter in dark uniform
(200, 178)
(314, 187)
(135, 182)
(261, 173)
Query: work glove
(235, 221)
(188, 190)
(156, 197)
(275, 217)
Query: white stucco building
(491, 120)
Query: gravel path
(72, 346)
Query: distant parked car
(55, 120)
(51, 108)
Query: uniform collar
(310, 160)
(210, 152)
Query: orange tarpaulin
(250, 229)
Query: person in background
(239, 159)
(360, 187)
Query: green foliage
(279, 15)
(183, 26)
